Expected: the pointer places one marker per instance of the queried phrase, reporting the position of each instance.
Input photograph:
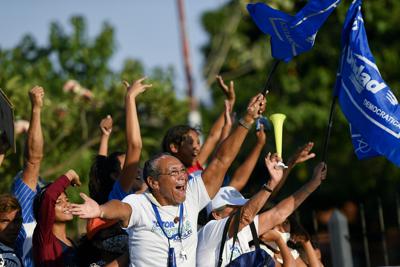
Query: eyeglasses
(175, 172)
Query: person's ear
(216, 215)
(174, 148)
(153, 183)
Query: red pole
(186, 56)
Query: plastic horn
(277, 120)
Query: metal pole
(365, 238)
(275, 64)
(329, 129)
(382, 229)
(186, 54)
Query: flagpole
(273, 69)
(329, 129)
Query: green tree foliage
(302, 89)
(70, 120)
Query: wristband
(266, 188)
(245, 124)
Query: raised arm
(283, 209)
(254, 205)
(111, 210)
(227, 122)
(34, 143)
(302, 154)
(312, 257)
(128, 177)
(274, 236)
(46, 212)
(242, 174)
(106, 125)
(213, 175)
(214, 136)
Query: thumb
(84, 197)
(126, 84)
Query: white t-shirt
(210, 241)
(148, 246)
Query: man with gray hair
(162, 222)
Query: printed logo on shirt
(171, 229)
(236, 251)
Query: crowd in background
(178, 208)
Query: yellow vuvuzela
(277, 120)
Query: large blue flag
(366, 100)
(291, 35)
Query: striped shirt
(25, 196)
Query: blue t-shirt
(25, 196)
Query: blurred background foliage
(302, 89)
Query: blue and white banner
(291, 35)
(365, 99)
(361, 147)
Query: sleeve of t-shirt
(25, 196)
(135, 214)
(197, 190)
(117, 192)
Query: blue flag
(361, 147)
(365, 99)
(291, 35)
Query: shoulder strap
(223, 240)
(235, 229)
(255, 236)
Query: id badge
(171, 257)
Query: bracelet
(266, 188)
(245, 124)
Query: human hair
(101, 175)
(151, 167)
(176, 135)
(9, 203)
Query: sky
(146, 30)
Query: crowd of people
(179, 209)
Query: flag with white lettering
(291, 35)
(361, 147)
(365, 99)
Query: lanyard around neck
(161, 223)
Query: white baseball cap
(227, 195)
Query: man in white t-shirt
(162, 222)
(228, 200)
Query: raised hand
(261, 136)
(36, 95)
(320, 171)
(271, 236)
(73, 177)
(106, 125)
(276, 173)
(137, 87)
(302, 154)
(89, 209)
(228, 91)
(256, 106)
